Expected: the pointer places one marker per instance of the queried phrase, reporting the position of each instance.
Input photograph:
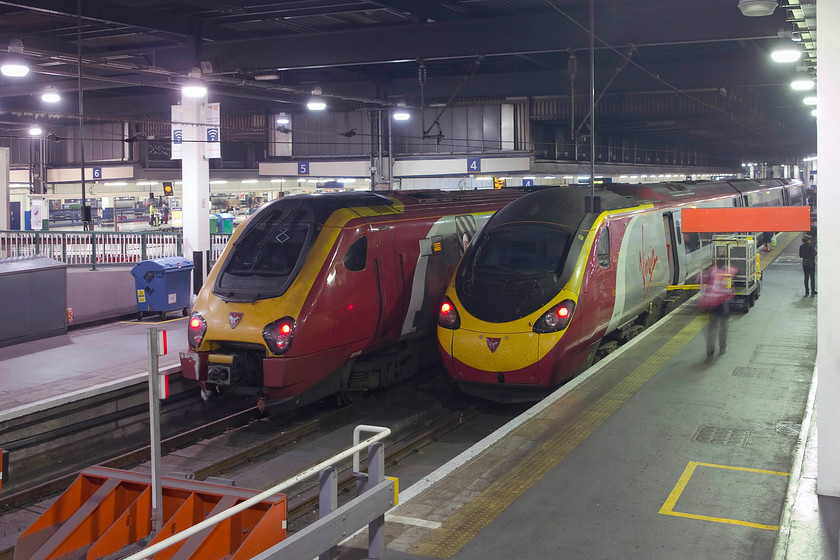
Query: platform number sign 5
(473, 165)
(303, 168)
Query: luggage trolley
(738, 251)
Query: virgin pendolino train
(546, 287)
(330, 293)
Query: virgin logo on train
(234, 318)
(647, 264)
(493, 343)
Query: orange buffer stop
(737, 220)
(108, 510)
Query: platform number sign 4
(473, 165)
(303, 168)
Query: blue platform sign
(303, 168)
(527, 182)
(473, 165)
(97, 172)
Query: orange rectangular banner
(738, 220)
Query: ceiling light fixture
(810, 100)
(316, 103)
(401, 114)
(35, 131)
(757, 8)
(50, 95)
(14, 65)
(194, 87)
(786, 52)
(802, 84)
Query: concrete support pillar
(828, 247)
(195, 173)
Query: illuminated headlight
(196, 330)
(555, 319)
(279, 334)
(448, 317)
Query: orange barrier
(107, 510)
(745, 220)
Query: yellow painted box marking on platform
(465, 524)
(668, 506)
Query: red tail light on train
(555, 319)
(448, 317)
(196, 330)
(279, 334)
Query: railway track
(406, 441)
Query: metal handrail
(381, 433)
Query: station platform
(69, 367)
(653, 453)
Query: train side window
(355, 259)
(603, 251)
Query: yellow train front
(536, 292)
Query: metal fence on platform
(86, 248)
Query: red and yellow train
(546, 286)
(330, 293)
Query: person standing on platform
(714, 299)
(808, 254)
(768, 239)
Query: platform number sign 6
(303, 168)
(473, 165)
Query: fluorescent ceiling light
(549, 177)
(218, 182)
(810, 100)
(316, 105)
(50, 95)
(278, 180)
(786, 54)
(483, 178)
(757, 8)
(282, 120)
(194, 90)
(814, 113)
(803, 84)
(14, 65)
(116, 184)
(248, 181)
(35, 131)
(401, 115)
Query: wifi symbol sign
(213, 134)
(177, 136)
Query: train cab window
(355, 259)
(603, 250)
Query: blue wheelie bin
(162, 285)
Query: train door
(390, 285)
(599, 285)
(672, 240)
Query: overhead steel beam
(535, 33)
(121, 14)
